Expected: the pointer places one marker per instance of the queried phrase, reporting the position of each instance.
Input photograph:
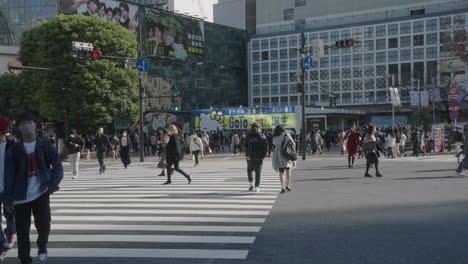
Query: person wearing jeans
(256, 150)
(33, 171)
(74, 144)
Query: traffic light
(83, 54)
(176, 88)
(332, 99)
(176, 103)
(344, 43)
(84, 50)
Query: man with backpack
(33, 171)
(6, 236)
(256, 146)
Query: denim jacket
(16, 175)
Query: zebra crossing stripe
(190, 219)
(165, 202)
(99, 204)
(177, 228)
(127, 211)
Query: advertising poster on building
(241, 118)
(113, 11)
(424, 99)
(174, 36)
(155, 121)
(414, 99)
(158, 93)
(438, 137)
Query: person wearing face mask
(6, 236)
(125, 147)
(369, 146)
(74, 144)
(33, 171)
(102, 143)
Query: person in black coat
(102, 143)
(174, 154)
(125, 147)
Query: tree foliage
(422, 117)
(89, 93)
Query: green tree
(86, 93)
(422, 117)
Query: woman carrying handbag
(282, 160)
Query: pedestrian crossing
(128, 214)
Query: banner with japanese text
(242, 118)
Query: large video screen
(113, 11)
(174, 36)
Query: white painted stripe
(163, 201)
(126, 211)
(96, 204)
(191, 219)
(161, 189)
(183, 228)
(167, 191)
(143, 253)
(137, 194)
(151, 238)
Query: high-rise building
(236, 13)
(197, 8)
(404, 40)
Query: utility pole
(303, 132)
(140, 97)
(393, 103)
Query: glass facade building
(410, 48)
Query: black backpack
(257, 147)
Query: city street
(416, 214)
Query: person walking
(369, 147)
(403, 140)
(115, 150)
(154, 144)
(235, 142)
(33, 171)
(353, 143)
(341, 138)
(162, 149)
(269, 137)
(88, 146)
(396, 149)
(102, 143)
(391, 141)
(74, 144)
(196, 146)
(281, 163)
(256, 148)
(125, 147)
(6, 235)
(174, 154)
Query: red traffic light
(344, 43)
(349, 42)
(95, 55)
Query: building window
(293, 41)
(380, 31)
(335, 74)
(418, 54)
(445, 37)
(346, 73)
(293, 100)
(300, 24)
(274, 100)
(357, 59)
(445, 23)
(255, 56)
(256, 79)
(274, 78)
(283, 65)
(324, 62)
(369, 71)
(405, 42)
(405, 28)
(284, 89)
(346, 60)
(345, 34)
(284, 77)
(293, 65)
(346, 85)
(431, 25)
(313, 87)
(418, 26)
(368, 45)
(256, 68)
(265, 78)
(406, 74)
(346, 98)
(314, 75)
(293, 77)
(274, 90)
(393, 43)
(431, 39)
(274, 66)
(431, 68)
(324, 36)
(380, 44)
(274, 54)
(405, 55)
(283, 54)
(335, 86)
(381, 70)
(381, 83)
(381, 57)
(293, 53)
(431, 53)
(273, 43)
(357, 85)
(369, 84)
(418, 69)
(459, 20)
(357, 72)
(418, 40)
(255, 45)
(256, 91)
(369, 32)
(417, 12)
(299, 3)
(382, 96)
(266, 90)
(393, 56)
(335, 61)
(265, 67)
(324, 74)
(265, 101)
(264, 55)
(283, 42)
(334, 36)
(393, 29)
(264, 43)
(288, 14)
(284, 101)
(369, 58)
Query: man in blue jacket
(33, 171)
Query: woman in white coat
(281, 163)
(196, 146)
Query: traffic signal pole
(303, 132)
(140, 97)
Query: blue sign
(308, 63)
(142, 65)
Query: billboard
(242, 118)
(174, 36)
(158, 93)
(155, 121)
(113, 11)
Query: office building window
(256, 68)
(346, 72)
(265, 78)
(300, 24)
(418, 54)
(335, 74)
(393, 56)
(324, 98)
(418, 26)
(266, 90)
(265, 55)
(357, 59)
(357, 85)
(313, 87)
(293, 41)
(293, 53)
(293, 65)
(381, 57)
(288, 14)
(256, 79)
(418, 70)
(256, 56)
(445, 37)
(369, 71)
(405, 42)
(334, 36)
(369, 58)
(431, 39)
(265, 101)
(335, 61)
(393, 72)
(293, 100)
(431, 53)
(335, 86)
(431, 68)
(393, 29)
(274, 54)
(324, 74)
(273, 43)
(368, 97)
(405, 28)
(324, 62)
(405, 55)
(380, 44)
(380, 31)
(314, 75)
(381, 96)
(255, 45)
(346, 85)
(274, 78)
(345, 34)
(256, 91)
(459, 20)
(368, 45)
(406, 74)
(381, 83)
(265, 67)
(284, 89)
(346, 60)
(369, 84)
(431, 25)
(357, 72)
(283, 54)
(284, 101)
(445, 23)
(346, 98)
(299, 3)
(417, 12)
(284, 77)
(283, 65)
(283, 42)
(274, 66)
(264, 43)
(369, 32)
(357, 33)
(381, 70)
(418, 40)
(393, 43)
(274, 90)
(274, 100)
(324, 37)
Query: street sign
(453, 90)
(14, 66)
(455, 108)
(142, 65)
(142, 75)
(454, 115)
(308, 62)
(453, 102)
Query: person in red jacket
(353, 138)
